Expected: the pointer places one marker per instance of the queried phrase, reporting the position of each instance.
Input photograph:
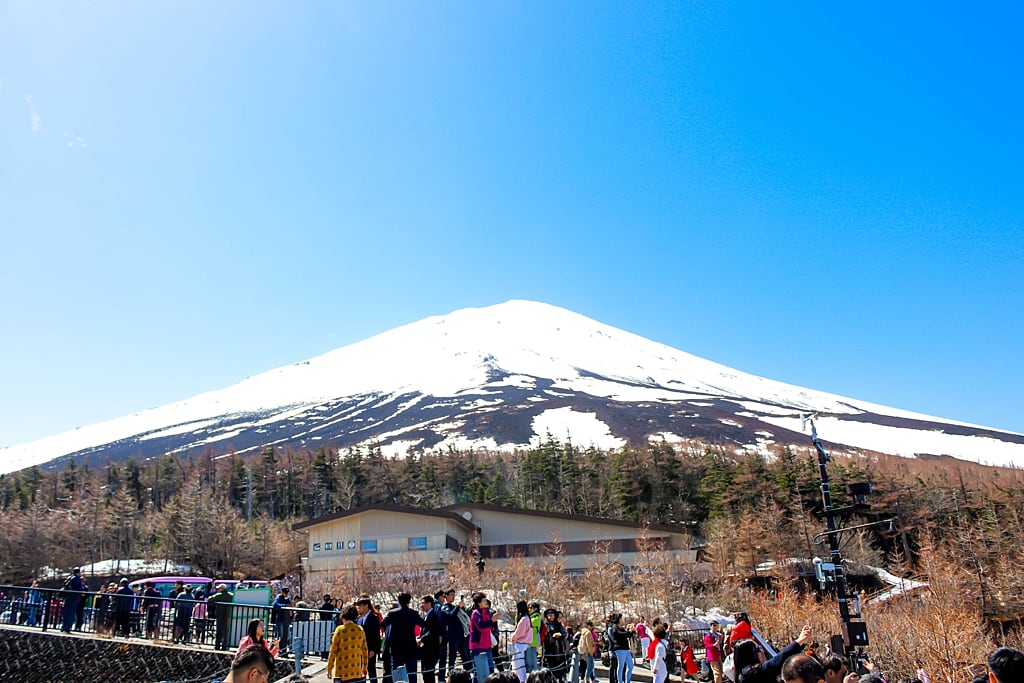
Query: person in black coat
(370, 622)
(401, 623)
(753, 666)
(124, 603)
(430, 638)
(555, 642)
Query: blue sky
(193, 192)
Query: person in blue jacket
(74, 589)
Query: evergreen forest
(233, 515)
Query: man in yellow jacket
(347, 661)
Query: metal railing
(196, 622)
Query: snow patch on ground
(397, 449)
(909, 442)
(581, 428)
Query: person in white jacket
(658, 666)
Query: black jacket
(768, 671)
(124, 600)
(371, 627)
(430, 637)
(618, 637)
(454, 630)
(402, 623)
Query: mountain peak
(503, 376)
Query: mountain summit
(503, 377)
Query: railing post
(299, 651)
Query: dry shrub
(938, 625)
(780, 616)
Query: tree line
(228, 514)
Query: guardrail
(193, 622)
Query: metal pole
(833, 544)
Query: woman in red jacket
(690, 667)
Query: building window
(368, 546)
(316, 547)
(327, 546)
(418, 543)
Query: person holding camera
(753, 665)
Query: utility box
(855, 633)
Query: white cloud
(75, 140)
(35, 120)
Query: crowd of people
(445, 631)
(544, 648)
(448, 636)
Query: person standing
(401, 623)
(152, 604)
(219, 609)
(346, 662)
(35, 601)
(281, 617)
(455, 624)
(124, 601)
(101, 609)
(742, 629)
(74, 587)
(370, 622)
(482, 629)
(587, 648)
(658, 654)
(713, 650)
(327, 609)
(521, 639)
(535, 623)
(430, 639)
(644, 634)
(184, 603)
(555, 640)
(689, 664)
(618, 638)
(84, 601)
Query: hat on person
(124, 582)
(221, 587)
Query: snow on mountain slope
(421, 384)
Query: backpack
(671, 663)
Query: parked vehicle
(165, 585)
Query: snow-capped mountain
(504, 377)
